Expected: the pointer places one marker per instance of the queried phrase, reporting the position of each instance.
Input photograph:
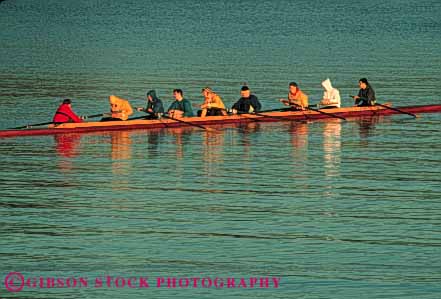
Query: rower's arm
(256, 104)
(188, 111)
(158, 108)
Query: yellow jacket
(120, 108)
(299, 99)
(213, 101)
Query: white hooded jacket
(331, 94)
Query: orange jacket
(299, 99)
(213, 101)
(120, 108)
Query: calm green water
(335, 209)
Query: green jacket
(183, 105)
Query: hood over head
(327, 85)
(152, 93)
(113, 99)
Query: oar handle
(93, 115)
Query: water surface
(336, 209)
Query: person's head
(326, 84)
(67, 102)
(363, 83)
(151, 94)
(206, 91)
(293, 87)
(114, 101)
(245, 92)
(178, 94)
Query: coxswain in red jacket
(65, 114)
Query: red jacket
(65, 114)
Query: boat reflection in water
(332, 147)
(298, 136)
(245, 130)
(245, 134)
(299, 139)
(367, 127)
(182, 137)
(212, 155)
(114, 145)
(67, 147)
(154, 138)
(121, 152)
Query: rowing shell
(216, 120)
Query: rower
(248, 103)
(296, 98)
(331, 96)
(180, 107)
(65, 114)
(154, 108)
(120, 109)
(366, 94)
(212, 105)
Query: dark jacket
(367, 97)
(243, 104)
(184, 106)
(156, 104)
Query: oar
(275, 110)
(326, 113)
(140, 117)
(51, 122)
(176, 119)
(93, 115)
(188, 123)
(391, 108)
(31, 125)
(281, 118)
(229, 111)
(395, 109)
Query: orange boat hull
(217, 120)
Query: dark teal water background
(337, 209)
